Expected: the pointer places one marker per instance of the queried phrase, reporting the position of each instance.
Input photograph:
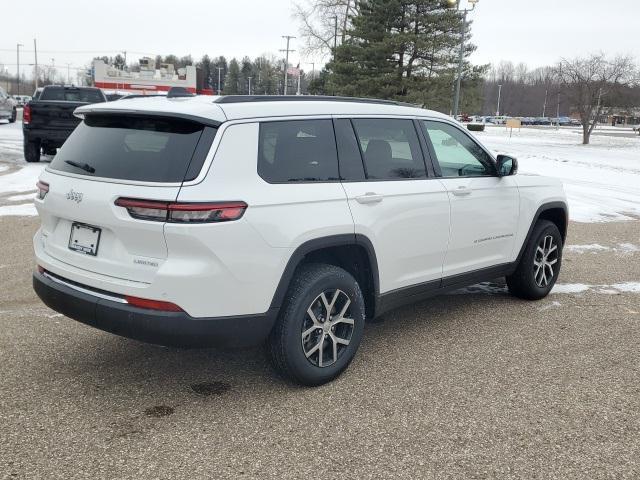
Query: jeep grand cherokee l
(291, 220)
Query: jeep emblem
(75, 196)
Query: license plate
(84, 238)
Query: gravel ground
(474, 385)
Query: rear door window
(134, 148)
(390, 148)
(297, 151)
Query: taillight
(43, 189)
(182, 212)
(152, 304)
(26, 114)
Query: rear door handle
(461, 191)
(369, 197)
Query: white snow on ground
(17, 178)
(602, 180)
(570, 288)
(586, 248)
(492, 288)
(621, 248)
(21, 210)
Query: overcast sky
(536, 32)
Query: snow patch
(21, 197)
(586, 248)
(22, 210)
(570, 288)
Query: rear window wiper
(84, 166)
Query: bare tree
(318, 21)
(585, 81)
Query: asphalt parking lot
(469, 385)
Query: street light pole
(18, 62)
(249, 78)
(498, 106)
(286, 61)
(219, 89)
(456, 99)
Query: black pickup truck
(48, 120)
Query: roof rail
(302, 98)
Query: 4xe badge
(75, 196)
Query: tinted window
(85, 95)
(134, 148)
(390, 148)
(297, 151)
(351, 168)
(457, 154)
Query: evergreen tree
(205, 66)
(231, 84)
(405, 50)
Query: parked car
(7, 107)
(541, 121)
(289, 220)
(21, 100)
(48, 119)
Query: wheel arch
(555, 212)
(353, 252)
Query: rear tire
(32, 151)
(14, 115)
(319, 327)
(540, 264)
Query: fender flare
(347, 239)
(541, 209)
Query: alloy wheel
(327, 328)
(546, 256)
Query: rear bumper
(50, 136)
(162, 328)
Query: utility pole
(498, 107)
(219, 89)
(249, 78)
(544, 105)
(286, 61)
(35, 53)
(18, 61)
(558, 113)
(68, 74)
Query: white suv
(234, 220)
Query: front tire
(320, 325)
(32, 151)
(539, 266)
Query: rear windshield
(86, 95)
(134, 148)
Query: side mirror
(507, 165)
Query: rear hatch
(110, 157)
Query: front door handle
(369, 197)
(461, 191)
